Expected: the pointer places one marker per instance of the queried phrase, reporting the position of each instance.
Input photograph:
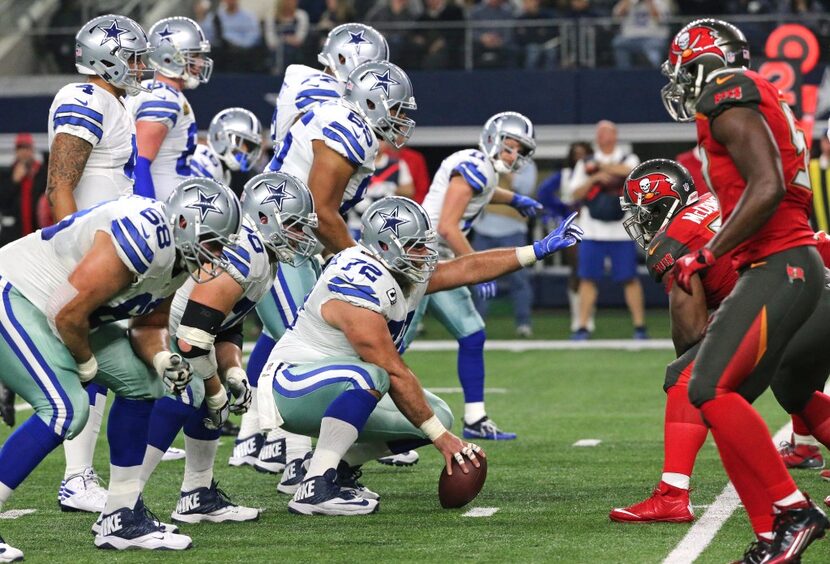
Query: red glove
(687, 265)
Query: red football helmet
(653, 193)
(698, 50)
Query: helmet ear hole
(263, 219)
(370, 104)
(182, 222)
(384, 246)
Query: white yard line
(707, 526)
(481, 512)
(587, 443)
(457, 390)
(15, 513)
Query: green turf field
(553, 498)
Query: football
(459, 489)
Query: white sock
(804, 440)
(474, 411)
(677, 480)
(591, 324)
(198, 463)
(296, 446)
(768, 536)
(124, 487)
(336, 437)
(573, 303)
(793, 498)
(152, 458)
(80, 450)
(5, 494)
(250, 419)
(361, 453)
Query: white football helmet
(114, 48)
(504, 125)
(179, 47)
(235, 134)
(382, 93)
(349, 45)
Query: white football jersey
(478, 171)
(98, 117)
(206, 164)
(249, 267)
(303, 89)
(358, 278)
(168, 106)
(340, 128)
(41, 262)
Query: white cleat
(294, 475)
(271, 459)
(82, 492)
(125, 529)
(320, 495)
(8, 553)
(348, 478)
(408, 458)
(246, 450)
(211, 505)
(172, 453)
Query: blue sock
(195, 429)
(259, 356)
(25, 449)
(405, 445)
(94, 390)
(471, 366)
(127, 429)
(167, 419)
(352, 406)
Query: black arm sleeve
(727, 90)
(201, 317)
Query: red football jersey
(689, 230)
(790, 225)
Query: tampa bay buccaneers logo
(694, 42)
(650, 188)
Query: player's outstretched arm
(487, 265)
(327, 180)
(67, 160)
(689, 315)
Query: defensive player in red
(756, 164)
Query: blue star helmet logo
(166, 33)
(113, 33)
(205, 205)
(357, 40)
(391, 222)
(383, 81)
(276, 195)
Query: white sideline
(481, 512)
(707, 526)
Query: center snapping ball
(459, 489)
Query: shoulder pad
(728, 90)
(359, 281)
(79, 112)
(662, 253)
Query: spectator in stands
(691, 160)
(539, 44)
(438, 48)
(314, 9)
(493, 46)
(820, 179)
(577, 10)
(597, 183)
(417, 164)
(502, 226)
(292, 30)
(337, 12)
(236, 38)
(699, 7)
(643, 32)
(393, 11)
(20, 187)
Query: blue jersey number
(368, 270)
(183, 162)
(129, 166)
(362, 127)
(162, 231)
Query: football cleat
(294, 474)
(320, 495)
(211, 505)
(486, 428)
(640, 334)
(408, 458)
(271, 459)
(581, 335)
(172, 453)
(137, 528)
(82, 492)
(801, 456)
(794, 530)
(8, 553)
(165, 527)
(667, 504)
(757, 553)
(825, 475)
(347, 479)
(246, 451)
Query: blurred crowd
(268, 35)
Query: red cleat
(825, 475)
(667, 504)
(801, 456)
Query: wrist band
(88, 369)
(433, 428)
(526, 255)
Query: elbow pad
(199, 325)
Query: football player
(332, 148)
(465, 183)
(234, 143)
(92, 160)
(756, 164)
(207, 322)
(118, 260)
(164, 120)
(330, 373)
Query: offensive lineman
(234, 143)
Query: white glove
(240, 390)
(218, 410)
(87, 370)
(173, 370)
